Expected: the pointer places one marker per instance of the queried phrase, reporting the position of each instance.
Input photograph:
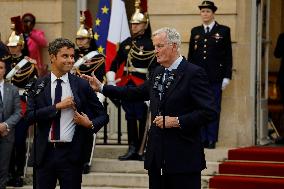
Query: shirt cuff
(7, 126)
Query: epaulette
(6, 57)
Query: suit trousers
(18, 157)
(6, 146)
(174, 181)
(57, 166)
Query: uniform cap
(209, 5)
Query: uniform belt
(59, 144)
(133, 69)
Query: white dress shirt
(67, 124)
(210, 26)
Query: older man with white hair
(181, 103)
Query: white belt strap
(16, 68)
(85, 58)
(139, 70)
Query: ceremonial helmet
(16, 37)
(85, 29)
(139, 17)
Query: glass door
(262, 60)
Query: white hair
(172, 35)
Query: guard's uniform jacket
(212, 51)
(139, 58)
(96, 65)
(23, 75)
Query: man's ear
(52, 58)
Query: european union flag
(101, 25)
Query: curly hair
(57, 44)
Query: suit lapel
(178, 75)
(74, 87)
(214, 28)
(201, 30)
(6, 96)
(47, 92)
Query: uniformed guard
(210, 47)
(20, 69)
(138, 54)
(89, 62)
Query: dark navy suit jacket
(86, 101)
(189, 98)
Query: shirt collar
(210, 25)
(64, 78)
(1, 83)
(175, 64)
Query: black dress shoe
(86, 169)
(129, 156)
(211, 145)
(141, 157)
(18, 182)
(205, 144)
(11, 181)
(279, 140)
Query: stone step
(117, 181)
(113, 151)
(116, 166)
(83, 187)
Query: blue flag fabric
(102, 25)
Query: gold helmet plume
(16, 37)
(85, 29)
(138, 17)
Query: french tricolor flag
(118, 30)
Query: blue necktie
(55, 134)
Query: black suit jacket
(189, 98)
(86, 101)
(212, 51)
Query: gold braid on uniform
(95, 63)
(23, 74)
(139, 54)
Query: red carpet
(237, 182)
(252, 168)
(239, 171)
(257, 154)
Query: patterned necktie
(167, 75)
(55, 131)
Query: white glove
(147, 103)
(110, 75)
(225, 82)
(101, 98)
